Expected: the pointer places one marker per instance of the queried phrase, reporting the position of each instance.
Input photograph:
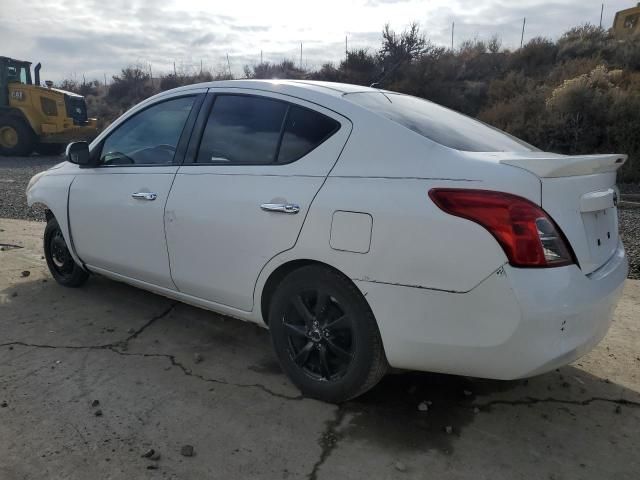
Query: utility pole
(300, 55)
(261, 62)
(601, 12)
(524, 22)
(346, 48)
(200, 66)
(105, 79)
(453, 27)
(174, 69)
(229, 65)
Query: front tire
(325, 335)
(61, 264)
(16, 137)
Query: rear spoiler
(568, 166)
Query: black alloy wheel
(325, 335)
(319, 334)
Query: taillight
(528, 236)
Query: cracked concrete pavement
(135, 352)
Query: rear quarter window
(440, 124)
(304, 130)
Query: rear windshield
(440, 124)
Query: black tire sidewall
(25, 137)
(77, 277)
(365, 333)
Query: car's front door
(243, 195)
(116, 210)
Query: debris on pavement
(25, 273)
(423, 407)
(95, 403)
(448, 429)
(187, 451)
(4, 404)
(151, 454)
(401, 467)
(98, 413)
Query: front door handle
(281, 207)
(144, 196)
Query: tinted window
(149, 137)
(304, 130)
(439, 124)
(242, 129)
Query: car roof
(327, 94)
(298, 88)
(278, 85)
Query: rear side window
(252, 130)
(242, 130)
(304, 130)
(440, 124)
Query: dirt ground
(93, 378)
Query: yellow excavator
(37, 118)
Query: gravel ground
(16, 172)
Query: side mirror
(78, 153)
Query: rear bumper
(516, 323)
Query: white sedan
(366, 229)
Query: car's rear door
(116, 209)
(243, 193)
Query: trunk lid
(579, 192)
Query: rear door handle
(281, 207)
(144, 196)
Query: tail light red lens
(528, 236)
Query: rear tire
(16, 137)
(61, 264)
(325, 335)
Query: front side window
(149, 137)
(252, 130)
(440, 124)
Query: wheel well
(278, 275)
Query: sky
(96, 38)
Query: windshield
(440, 124)
(18, 74)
